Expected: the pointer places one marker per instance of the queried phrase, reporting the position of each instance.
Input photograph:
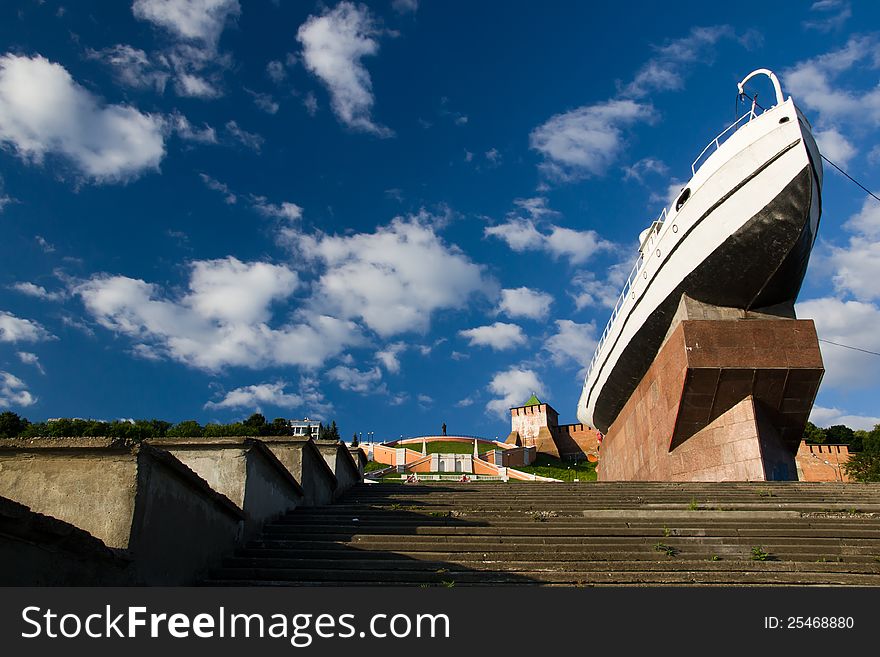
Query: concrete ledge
(38, 550)
(304, 461)
(244, 470)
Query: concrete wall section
(38, 550)
(244, 470)
(83, 481)
(340, 461)
(181, 526)
(304, 461)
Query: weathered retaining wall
(340, 461)
(304, 461)
(142, 500)
(244, 470)
(822, 462)
(38, 550)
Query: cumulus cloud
(284, 210)
(264, 101)
(355, 380)
(37, 291)
(524, 302)
(511, 388)
(857, 264)
(393, 279)
(830, 15)
(572, 343)
(520, 232)
(223, 320)
(815, 83)
(587, 140)
(17, 329)
(852, 323)
(334, 44)
(589, 290)
(828, 417)
(835, 146)
(103, 143)
(186, 131)
(190, 20)
(499, 336)
(256, 397)
(14, 392)
(192, 58)
(390, 356)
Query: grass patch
(450, 447)
(547, 466)
(372, 466)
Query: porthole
(685, 195)
(658, 253)
(784, 119)
(645, 275)
(674, 228)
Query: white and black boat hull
(742, 240)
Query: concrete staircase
(778, 533)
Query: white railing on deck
(733, 127)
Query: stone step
(745, 575)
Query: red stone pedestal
(724, 400)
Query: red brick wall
(822, 462)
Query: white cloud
(646, 165)
(232, 291)
(572, 343)
(214, 185)
(264, 101)
(5, 199)
(521, 235)
(355, 380)
(857, 267)
(29, 358)
(525, 302)
(37, 291)
(14, 392)
(813, 83)
(852, 323)
(837, 12)
(284, 210)
(191, 20)
(464, 403)
(389, 357)
(333, 45)
(828, 417)
(105, 143)
(185, 130)
(392, 279)
(250, 139)
(587, 140)
(666, 70)
(512, 387)
(499, 336)
(44, 244)
(310, 102)
(255, 396)
(590, 291)
(16, 329)
(132, 67)
(835, 146)
(425, 400)
(867, 220)
(223, 320)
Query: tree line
(14, 426)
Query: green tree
(839, 434)
(280, 427)
(813, 435)
(354, 440)
(186, 429)
(865, 465)
(257, 424)
(11, 425)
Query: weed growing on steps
(715, 557)
(693, 506)
(758, 554)
(668, 550)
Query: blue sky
(392, 214)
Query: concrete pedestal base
(725, 400)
